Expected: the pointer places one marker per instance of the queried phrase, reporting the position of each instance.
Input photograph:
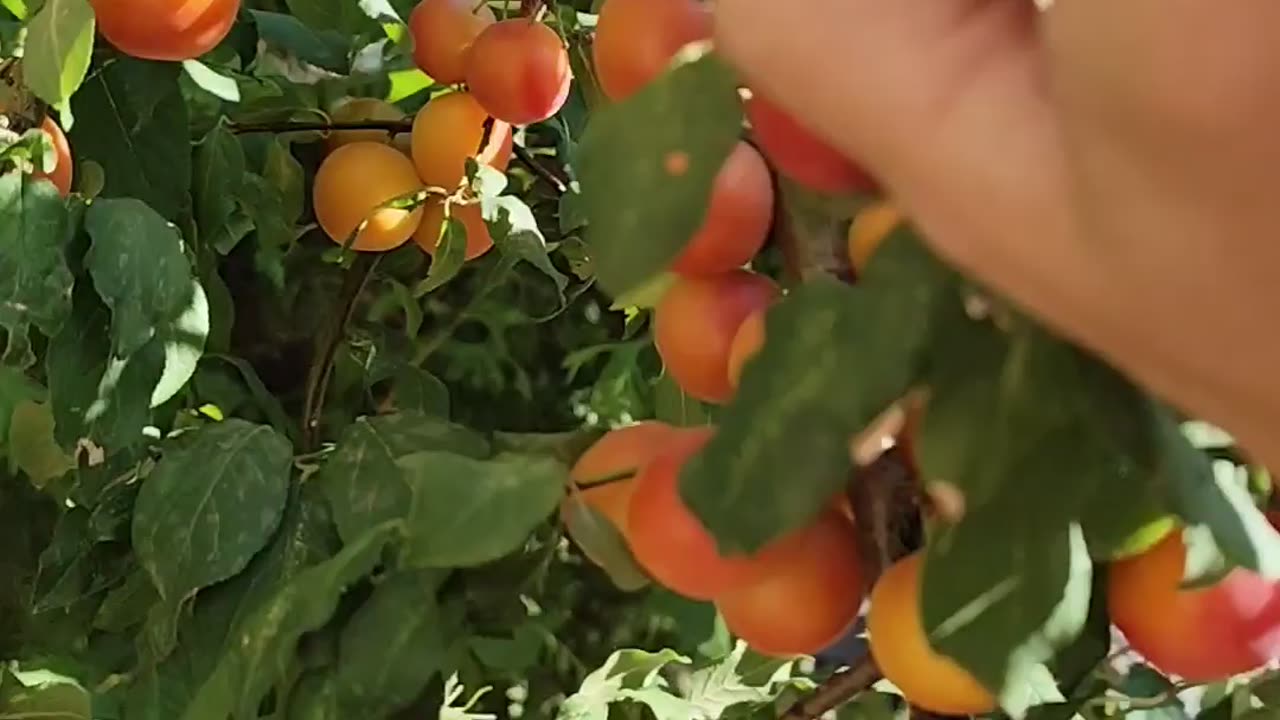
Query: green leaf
(447, 260)
(363, 481)
(602, 542)
(640, 213)
(393, 645)
(325, 49)
(415, 390)
(511, 494)
(716, 688)
(849, 354)
(315, 698)
(515, 233)
(47, 698)
(57, 50)
(218, 178)
(341, 15)
(282, 171)
(1002, 608)
(136, 129)
(66, 566)
(209, 506)
(138, 268)
(625, 671)
(35, 281)
(15, 389)
(183, 346)
(32, 447)
(263, 649)
(211, 81)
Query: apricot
(636, 40)
(747, 342)
(451, 128)
(695, 323)
(809, 600)
(626, 449)
(1202, 634)
(428, 233)
(442, 30)
(672, 544)
(927, 678)
(868, 231)
(518, 70)
(798, 154)
(737, 218)
(362, 109)
(63, 166)
(171, 30)
(353, 182)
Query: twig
(835, 691)
(327, 347)
(283, 126)
(556, 177)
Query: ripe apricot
(358, 110)
(900, 647)
(63, 167)
(737, 218)
(695, 323)
(626, 449)
(1202, 634)
(799, 154)
(868, 230)
(748, 341)
(451, 128)
(809, 600)
(636, 40)
(353, 182)
(518, 70)
(442, 31)
(672, 544)
(171, 30)
(428, 233)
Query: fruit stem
(835, 691)
(556, 178)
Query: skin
(1136, 147)
(479, 241)
(170, 30)
(451, 128)
(519, 71)
(626, 449)
(636, 40)
(353, 182)
(442, 31)
(61, 175)
(747, 342)
(737, 219)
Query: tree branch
(835, 691)
(327, 347)
(555, 177)
(284, 126)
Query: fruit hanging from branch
(170, 30)
(518, 70)
(442, 30)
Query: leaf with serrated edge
(362, 480)
(209, 505)
(35, 282)
(515, 232)
(58, 48)
(647, 165)
(452, 495)
(264, 648)
(624, 670)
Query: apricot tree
(481, 359)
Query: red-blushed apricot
(518, 70)
(798, 154)
(808, 600)
(898, 643)
(868, 231)
(695, 323)
(451, 128)
(748, 341)
(442, 31)
(673, 546)
(64, 166)
(1203, 634)
(737, 219)
(351, 184)
(479, 241)
(626, 449)
(171, 30)
(361, 109)
(636, 40)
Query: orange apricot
(896, 635)
(1202, 634)
(809, 600)
(868, 231)
(63, 166)
(362, 109)
(695, 323)
(442, 31)
(672, 544)
(451, 128)
(428, 233)
(626, 449)
(351, 184)
(171, 30)
(747, 342)
(799, 154)
(737, 218)
(518, 70)
(635, 40)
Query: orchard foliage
(461, 359)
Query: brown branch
(284, 126)
(835, 691)
(353, 285)
(555, 177)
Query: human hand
(1112, 167)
